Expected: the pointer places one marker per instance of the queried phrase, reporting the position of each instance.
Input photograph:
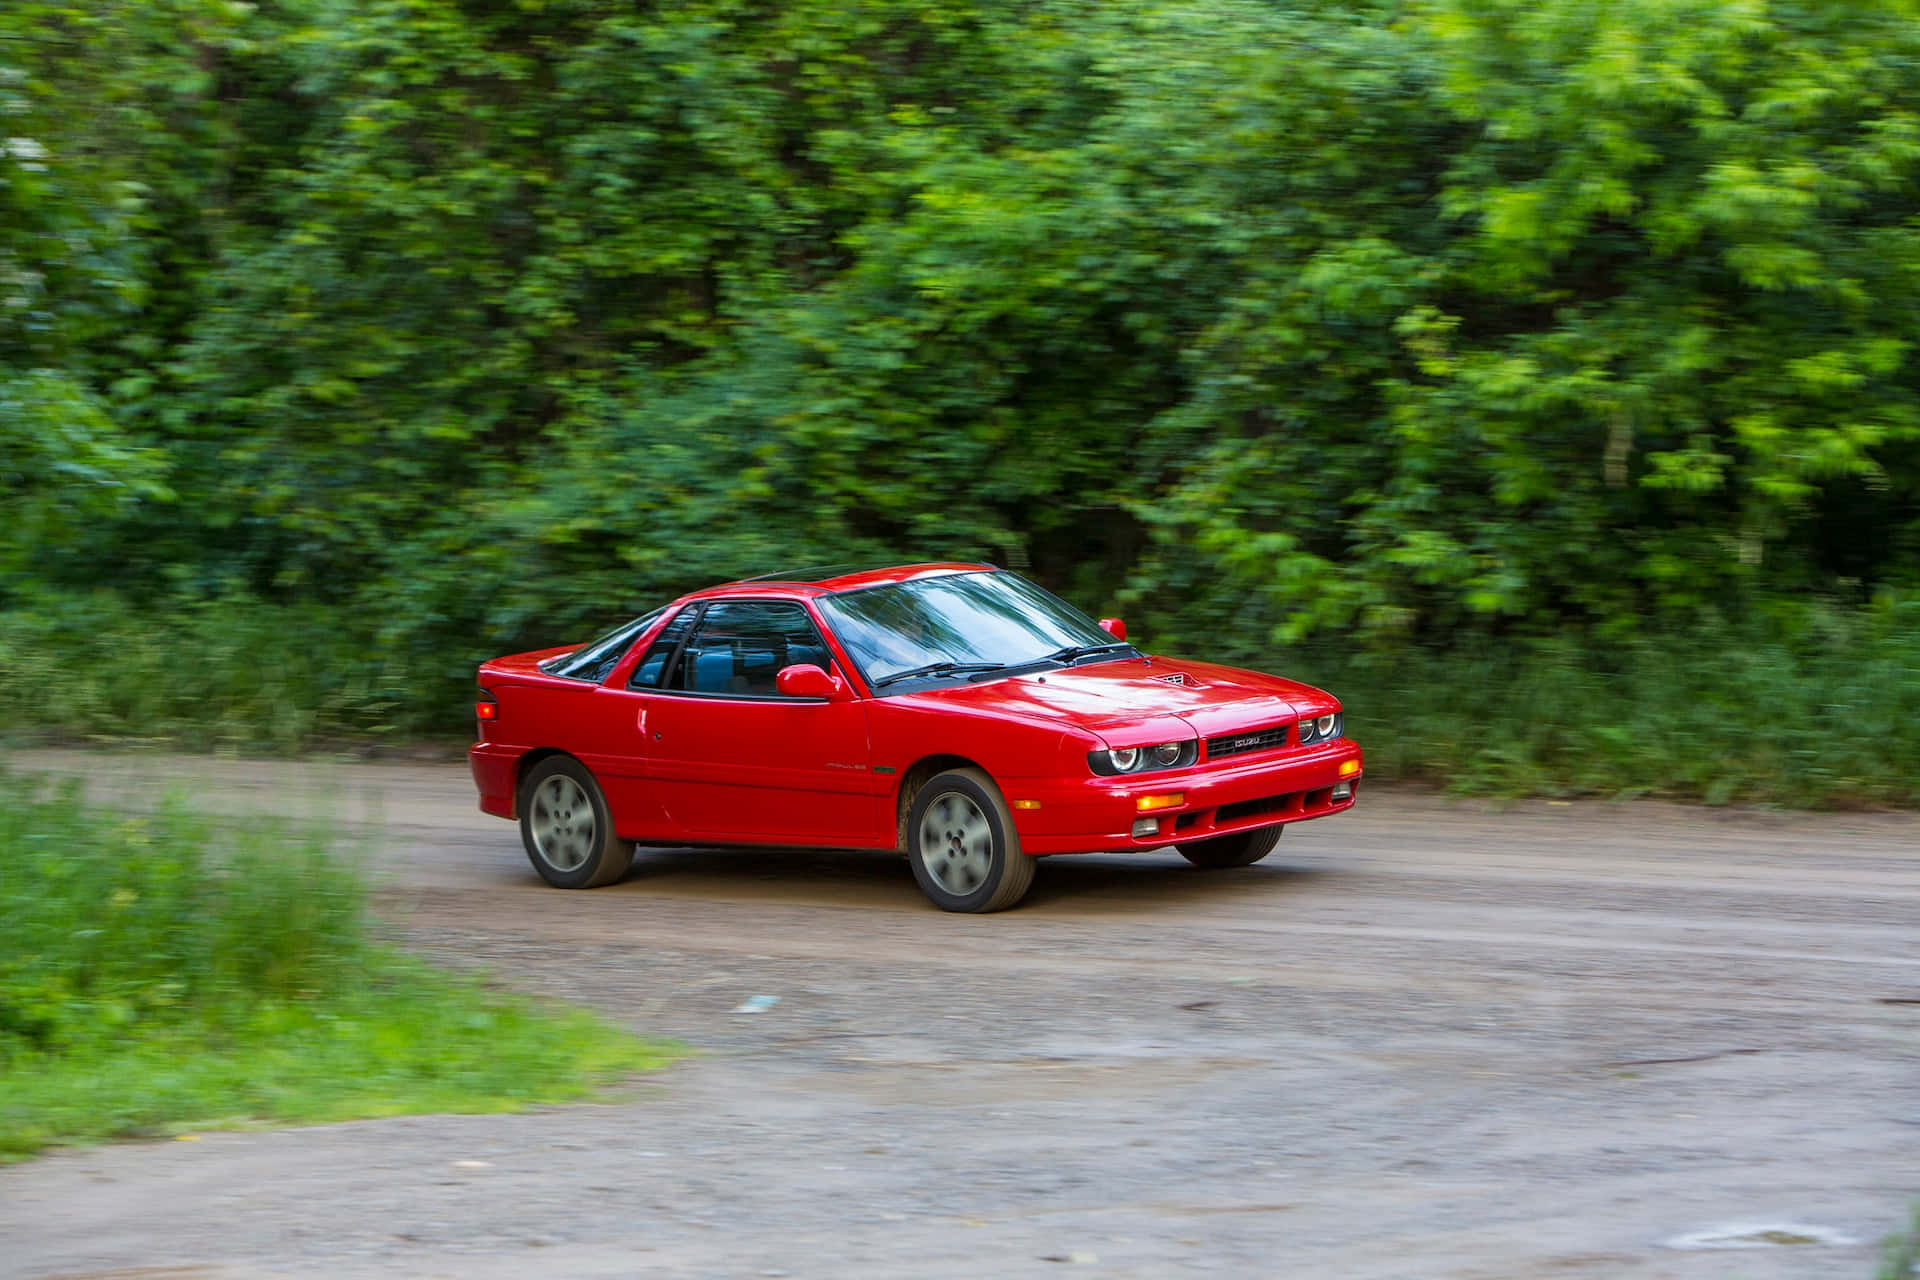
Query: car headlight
(1321, 728)
(1165, 755)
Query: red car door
(607, 731)
(733, 757)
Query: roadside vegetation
(1819, 708)
(161, 973)
(1540, 376)
(1900, 1256)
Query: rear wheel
(567, 827)
(1241, 849)
(962, 846)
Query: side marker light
(1026, 804)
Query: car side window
(739, 647)
(653, 666)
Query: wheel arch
(525, 765)
(913, 778)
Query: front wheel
(962, 846)
(1241, 849)
(567, 827)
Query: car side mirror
(1114, 627)
(804, 680)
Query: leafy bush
(1380, 319)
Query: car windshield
(959, 625)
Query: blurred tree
(1568, 313)
(476, 321)
(69, 279)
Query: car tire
(567, 828)
(962, 845)
(1241, 849)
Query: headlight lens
(1165, 755)
(1320, 728)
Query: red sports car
(956, 712)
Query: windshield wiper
(1074, 652)
(937, 669)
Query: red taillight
(487, 710)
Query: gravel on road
(1424, 1039)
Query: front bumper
(1084, 816)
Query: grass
(159, 973)
(1827, 716)
(1900, 1255)
(230, 673)
(1801, 705)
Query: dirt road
(1424, 1039)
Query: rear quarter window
(595, 661)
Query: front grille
(1233, 744)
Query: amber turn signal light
(1172, 800)
(1349, 767)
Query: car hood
(1136, 701)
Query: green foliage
(458, 326)
(227, 672)
(1809, 706)
(1900, 1260)
(113, 928)
(1815, 710)
(159, 972)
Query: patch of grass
(1822, 714)
(1900, 1256)
(1803, 705)
(229, 672)
(159, 973)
